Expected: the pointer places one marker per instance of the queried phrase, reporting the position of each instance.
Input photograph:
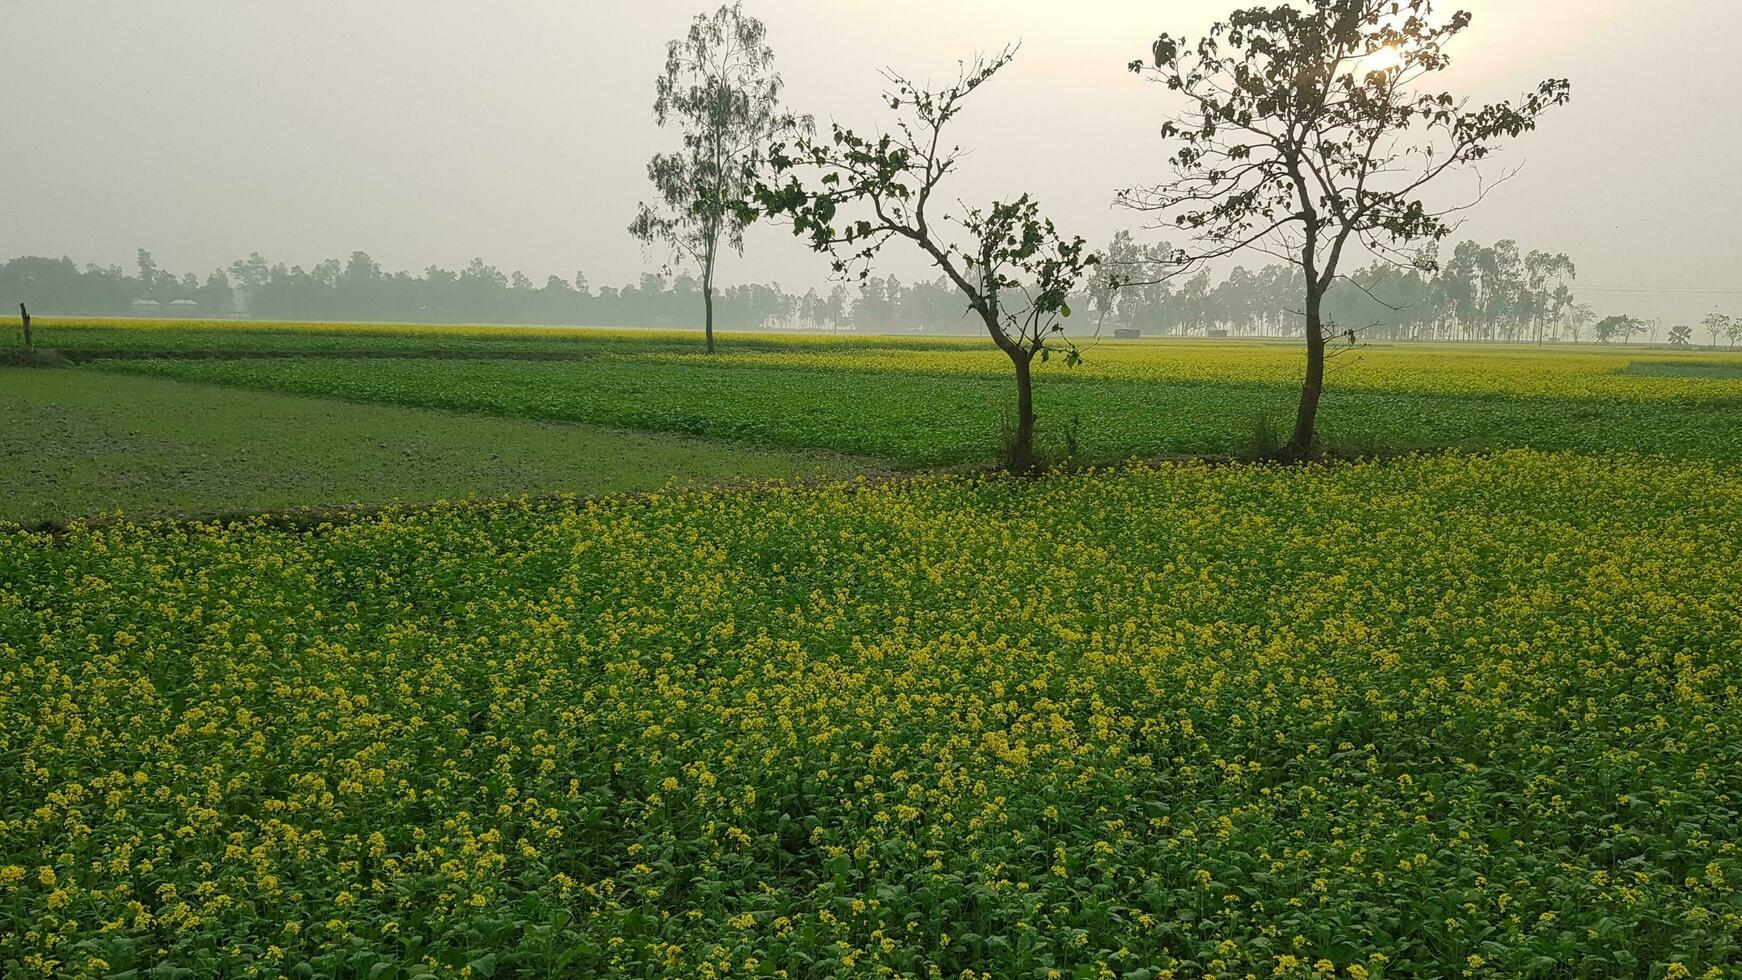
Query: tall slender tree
(720, 90)
(1547, 293)
(1305, 131)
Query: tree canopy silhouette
(1308, 129)
(851, 195)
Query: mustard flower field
(1452, 715)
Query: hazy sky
(431, 131)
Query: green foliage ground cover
(1451, 716)
(1727, 370)
(76, 443)
(922, 419)
(1439, 716)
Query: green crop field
(1474, 710)
(78, 444)
(919, 418)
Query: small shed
(1217, 334)
(145, 307)
(1127, 333)
(183, 308)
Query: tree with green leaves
(850, 195)
(1681, 335)
(1306, 132)
(719, 88)
(1717, 324)
(1547, 292)
(1131, 280)
(835, 308)
(1618, 327)
(1577, 317)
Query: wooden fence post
(25, 315)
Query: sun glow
(1387, 58)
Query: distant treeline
(1480, 292)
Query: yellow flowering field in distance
(173, 328)
(1630, 374)
(1586, 371)
(1437, 716)
(128, 335)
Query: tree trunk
(708, 307)
(24, 315)
(1301, 443)
(1022, 461)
